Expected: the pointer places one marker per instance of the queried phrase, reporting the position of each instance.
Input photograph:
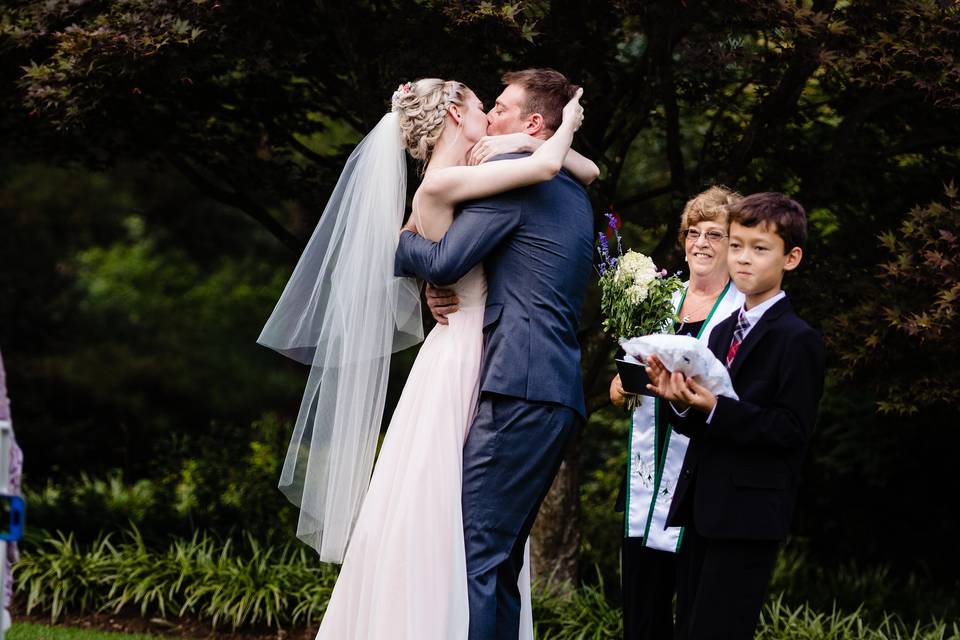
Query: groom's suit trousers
(512, 453)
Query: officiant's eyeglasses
(711, 236)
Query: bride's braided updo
(422, 106)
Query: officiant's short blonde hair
(712, 204)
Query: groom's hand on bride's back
(442, 302)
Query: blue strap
(15, 509)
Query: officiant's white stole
(651, 481)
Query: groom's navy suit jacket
(741, 472)
(536, 244)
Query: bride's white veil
(343, 312)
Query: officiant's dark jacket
(741, 472)
(536, 244)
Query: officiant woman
(648, 558)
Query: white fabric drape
(344, 313)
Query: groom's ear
(533, 124)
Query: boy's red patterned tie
(742, 325)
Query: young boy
(738, 487)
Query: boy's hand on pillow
(665, 384)
(681, 391)
(697, 396)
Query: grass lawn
(30, 631)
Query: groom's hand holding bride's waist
(442, 302)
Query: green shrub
(583, 614)
(603, 465)
(222, 582)
(221, 483)
(872, 589)
(780, 622)
(87, 506)
(247, 584)
(61, 576)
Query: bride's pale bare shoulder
(431, 215)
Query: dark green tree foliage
(908, 324)
(124, 331)
(851, 107)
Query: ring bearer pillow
(687, 355)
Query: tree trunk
(555, 544)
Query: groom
(536, 244)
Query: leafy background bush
(225, 483)
(222, 581)
(243, 583)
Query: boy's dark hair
(548, 92)
(784, 214)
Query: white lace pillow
(687, 355)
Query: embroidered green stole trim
(653, 470)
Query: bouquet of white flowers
(636, 299)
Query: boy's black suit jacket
(741, 472)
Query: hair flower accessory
(403, 89)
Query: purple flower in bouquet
(613, 223)
(603, 248)
(608, 261)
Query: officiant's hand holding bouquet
(635, 298)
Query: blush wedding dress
(404, 572)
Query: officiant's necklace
(696, 310)
(714, 301)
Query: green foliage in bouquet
(636, 299)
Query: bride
(343, 312)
